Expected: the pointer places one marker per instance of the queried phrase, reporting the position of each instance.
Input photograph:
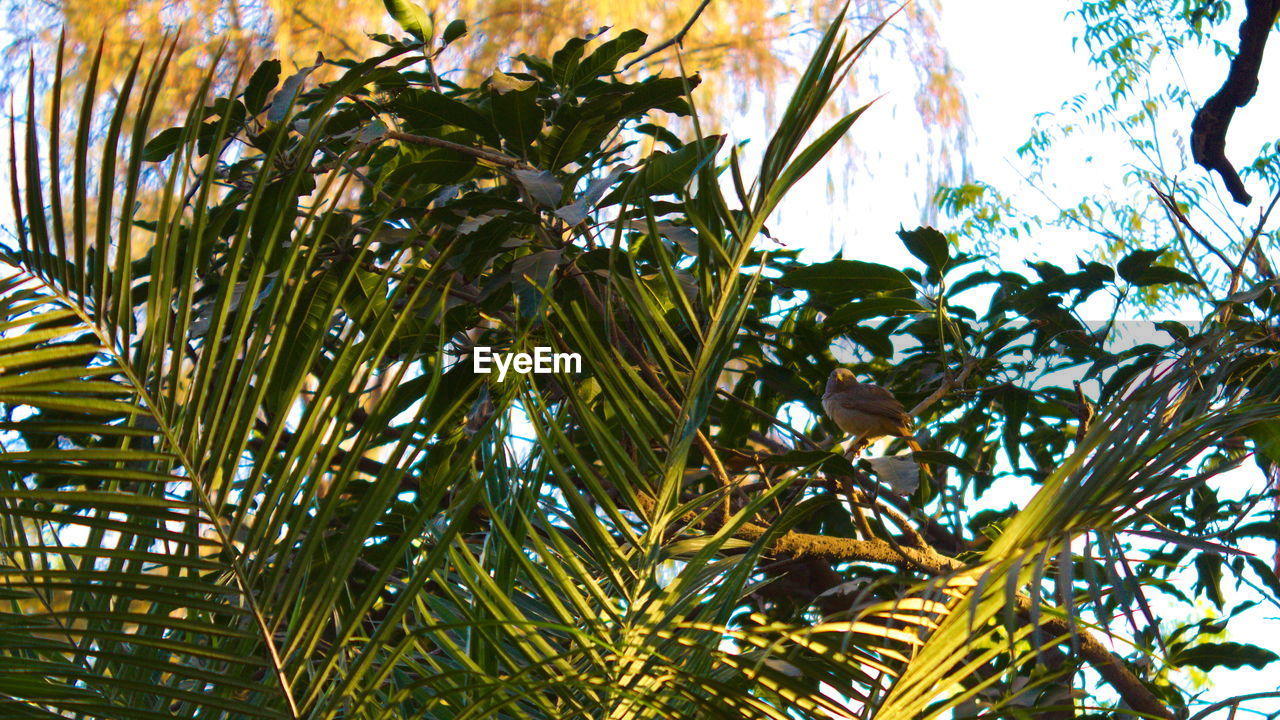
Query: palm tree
(249, 470)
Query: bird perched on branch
(866, 411)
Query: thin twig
(1249, 246)
(1172, 206)
(772, 420)
(675, 39)
(321, 28)
(1237, 272)
(855, 507)
(948, 383)
(490, 156)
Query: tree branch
(677, 38)
(490, 156)
(1209, 127)
(926, 560)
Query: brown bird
(866, 411)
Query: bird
(866, 411)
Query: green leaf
(1265, 435)
(503, 83)
(876, 341)
(409, 16)
(805, 161)
(162, 145)
(1207, 656)
(668, 173)
(858, 310)
(942, 457)
(261, 83)
(517, 115)
(1163, 275)
(840, 280)
(929, 247)
(542, 186)
(425, 110)
(826, 461)
(1135, 263)
(564, 63)
(1209, 576)
(658, 93)
(604, 59)
(434, 168)
(453, 31)
(283, 101)
(574, 132)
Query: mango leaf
(577, 211)
(1137, 268)
(681, 235)
(1265, 435)
(1132, 265)
(409, 16)
(162, 145)
(1207, 656)
(541, 185)
(942, 457)
(826, 461)
(372, 132)
(875, 340)
(530, 275)
(428, 109)
(283, 101)
(658, 93)
(604, 59)
(577, 131)
(929, 247)
(261, 83)
(1164, 275)
(517, 114)
(453, 31)
(842, 280)
(668, 173)
(502, 83)
(564, 63)
(874, 307)
(434, 169)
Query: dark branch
(488, 156)
(1112, 669)
(1209, 128)
(675, 39)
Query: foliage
(249, 469)
(1156, 62)
(744, 47)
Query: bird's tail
(915, 448)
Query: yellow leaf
(505, 83)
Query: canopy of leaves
(1157, 63)
(249, 468)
